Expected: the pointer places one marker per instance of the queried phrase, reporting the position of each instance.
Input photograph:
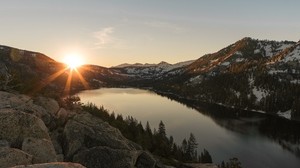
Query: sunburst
(72, 63)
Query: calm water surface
(222, 137)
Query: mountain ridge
(251, 74)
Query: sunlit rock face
(68, 136)
(52, 165)
(94, 143)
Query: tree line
(155, 141)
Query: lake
(257, 140)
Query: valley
(248, 89)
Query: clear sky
(111, 32)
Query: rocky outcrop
(146, 160)
(199, 165)
(42, 150)
(16, 126)
(52, 165)
(94, 143)
(47, 103)
(105, 157)
(12, 157)
(24, 103)
(87, 131)
(37, 130)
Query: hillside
(250, 74)
(35, 73)
(150, 71)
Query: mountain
(257, 75)
(250, 74)
(149, 71)
(32, 72)
(245, 50)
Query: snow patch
(238, 94)
(273, 71)
(215, 60)
(295, 81)
(225, 63)
(257, 51)
(293, 56)
(258, 93)
(239, 59)
(268, 50)
(284, 46)
(286, 114)
(251, 80)
(196, 79)
(238, 53)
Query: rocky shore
(36, 132)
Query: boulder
(56, 138)
(15, 126)
(145, 160)
(105, 157)
(52, 165)
(14, 100)
(47, 103)
(24, 103)
(4, 143)
(12, 157)
(62, 115)
(86, 131)
(199, 165)
(42, 150)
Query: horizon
(116, 32)
(142, 63)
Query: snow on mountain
(151, 70)
(259, 93)
(133, 65)
(271, 48)
(293, 56)
(286, 63)
(286, 114)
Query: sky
(112, 32)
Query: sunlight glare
(73, 61)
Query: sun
(73, 61)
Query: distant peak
(247, 38)
(162, 63)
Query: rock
(4, 143)
(62, 115)
(47, 103)
(42, 150)
(60, 157)
(52, 165)
(105, 157)
(145, 160)
(199, 165)
(15, 126)
(56, 138)
(23, 103)
(10, 100)
(12, 157)
(87, 131)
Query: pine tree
(184, 146)
(191, 148)
(148, 129)
(205, 157)
(162, 129)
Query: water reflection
(257, 140)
